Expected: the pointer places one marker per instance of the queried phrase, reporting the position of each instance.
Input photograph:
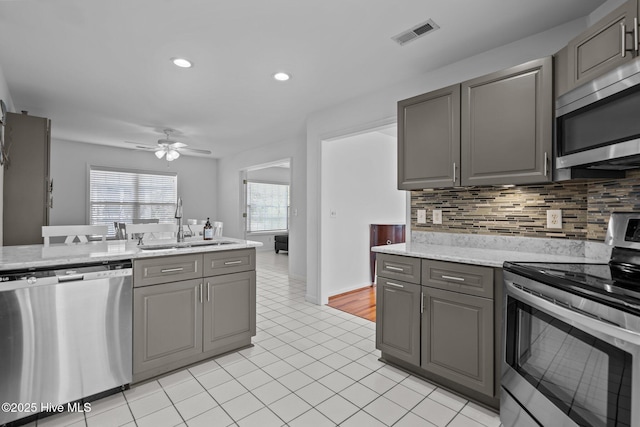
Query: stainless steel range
(571, 338)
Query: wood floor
(360, 302)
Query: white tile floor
(310, 366)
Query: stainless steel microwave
(598, 123)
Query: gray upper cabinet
(398, 319)
(599, 49)
(429, 140)
(27, 189)
(229, 310)
(457, 338)
(507, 118)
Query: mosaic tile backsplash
(522, 210)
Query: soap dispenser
(208, 231)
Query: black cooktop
(616, 283)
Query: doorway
(265, 202)
(358, 188)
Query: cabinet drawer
(464, 278)
(226, 262)
(399, 267)
(152, 271)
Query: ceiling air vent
(415, 32)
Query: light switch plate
(437, 216)
(422, 216)
(554, 218)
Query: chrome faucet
(178, 216)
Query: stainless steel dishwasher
(65, 334)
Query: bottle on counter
(208, 231)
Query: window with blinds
(267, 207)
(128, 196)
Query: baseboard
(313, 299)
(349, 289)
(298, 277)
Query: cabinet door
(429, 140)
(507, 125)
(167, 324)
(26, 190)
(599, 49)
(457, 338)
(398, 319)
(229, 310)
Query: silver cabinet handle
(421, 302)
(394, 285)
(458, 279)
(623, 41)
(635, 34)
(200, 292)
(546, 163)
(390, 267)
(233, 262)
(208, 292)
(171, 270)
(623, 38)
(454, 172)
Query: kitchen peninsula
(79, 320)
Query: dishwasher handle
(70, 278)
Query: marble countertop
(478, 256)
(33, 256)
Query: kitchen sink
(183, 245)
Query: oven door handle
(613, 334)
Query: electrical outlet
(437, 216)
(422, 216)
(554, 218)
(333, 213)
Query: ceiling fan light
(160, 154)
(172, 155)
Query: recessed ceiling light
(181, 62)
(281, 77)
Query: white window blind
(267, 207)
(120, 195)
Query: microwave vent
(416, 32)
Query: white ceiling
(101, 71)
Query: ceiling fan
(168, 147)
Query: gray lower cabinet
(230, 310)
(429, 140)
(181, 317)
(398, 319)
(457, 338)
(167, 324)
(444, 325)
(507, 116)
